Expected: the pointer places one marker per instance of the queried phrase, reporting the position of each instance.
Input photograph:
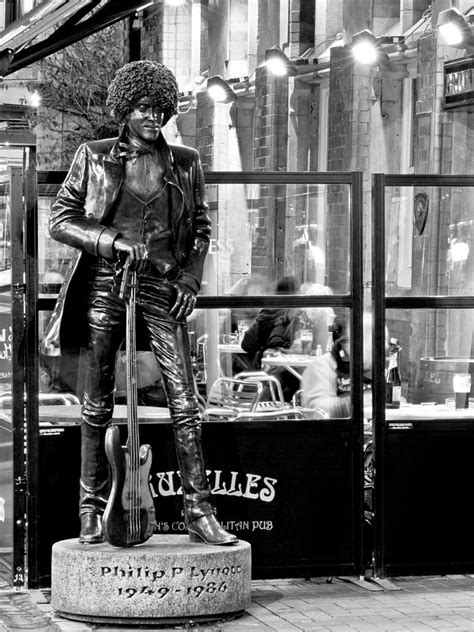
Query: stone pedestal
(168, 579)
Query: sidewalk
(408, 603)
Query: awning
(29, 39)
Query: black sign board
(459, 84)
(286, 487)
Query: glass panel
(6, 375)
(281, 343)
(53, 257)
(61, 377)
(436, 345)
(429, 241)
(285, 239)
(261, 233)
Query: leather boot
(208, 530)
(198, 511)
(91, 528)
(94, 483)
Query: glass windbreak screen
(60, 377)
(6, 437)
(53, 257)
(435, 360)
(429, 241)
(261, 233)
(302, 354)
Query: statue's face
(145, 120)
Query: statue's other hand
(185, 301)
(136, 253)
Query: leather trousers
(170, 343)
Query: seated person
(326, 381)
(242, 317)
(310, 327)
(270, 329)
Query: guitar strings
(134, 450)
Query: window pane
(435, 345)
(261, 233)
(429, 241)
(279, 342)
(53, 257)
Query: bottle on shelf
(393, 382)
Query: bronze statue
(137, 197)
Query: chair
(308, 413)
(229, 398)
(273, 384)
(233, 399)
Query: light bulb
(277, 67)
(365, 52)
(451, 33)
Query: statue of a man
(135, 196)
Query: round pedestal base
(167, 580)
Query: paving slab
(422, 604)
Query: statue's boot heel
(91, 528)
(206, 529)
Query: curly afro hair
(140, 79)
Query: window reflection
(273, 231)
(436, 344)
(260, 233)
(429, 241)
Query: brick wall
(167, 38)
(348, 150)
(270, 154)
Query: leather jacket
(77, 219)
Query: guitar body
(128, 486)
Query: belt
(100, 262)
(148, 268)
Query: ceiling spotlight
(454, 29)
(365, 47)
(219, 90)
(278, 63)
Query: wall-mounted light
(367, 49)
(278, 63)
(281, 65)
(454, 28)
(220, 90)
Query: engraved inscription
(209, 588)
(160, 582)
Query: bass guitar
(129, 517)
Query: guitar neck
(133, 442)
